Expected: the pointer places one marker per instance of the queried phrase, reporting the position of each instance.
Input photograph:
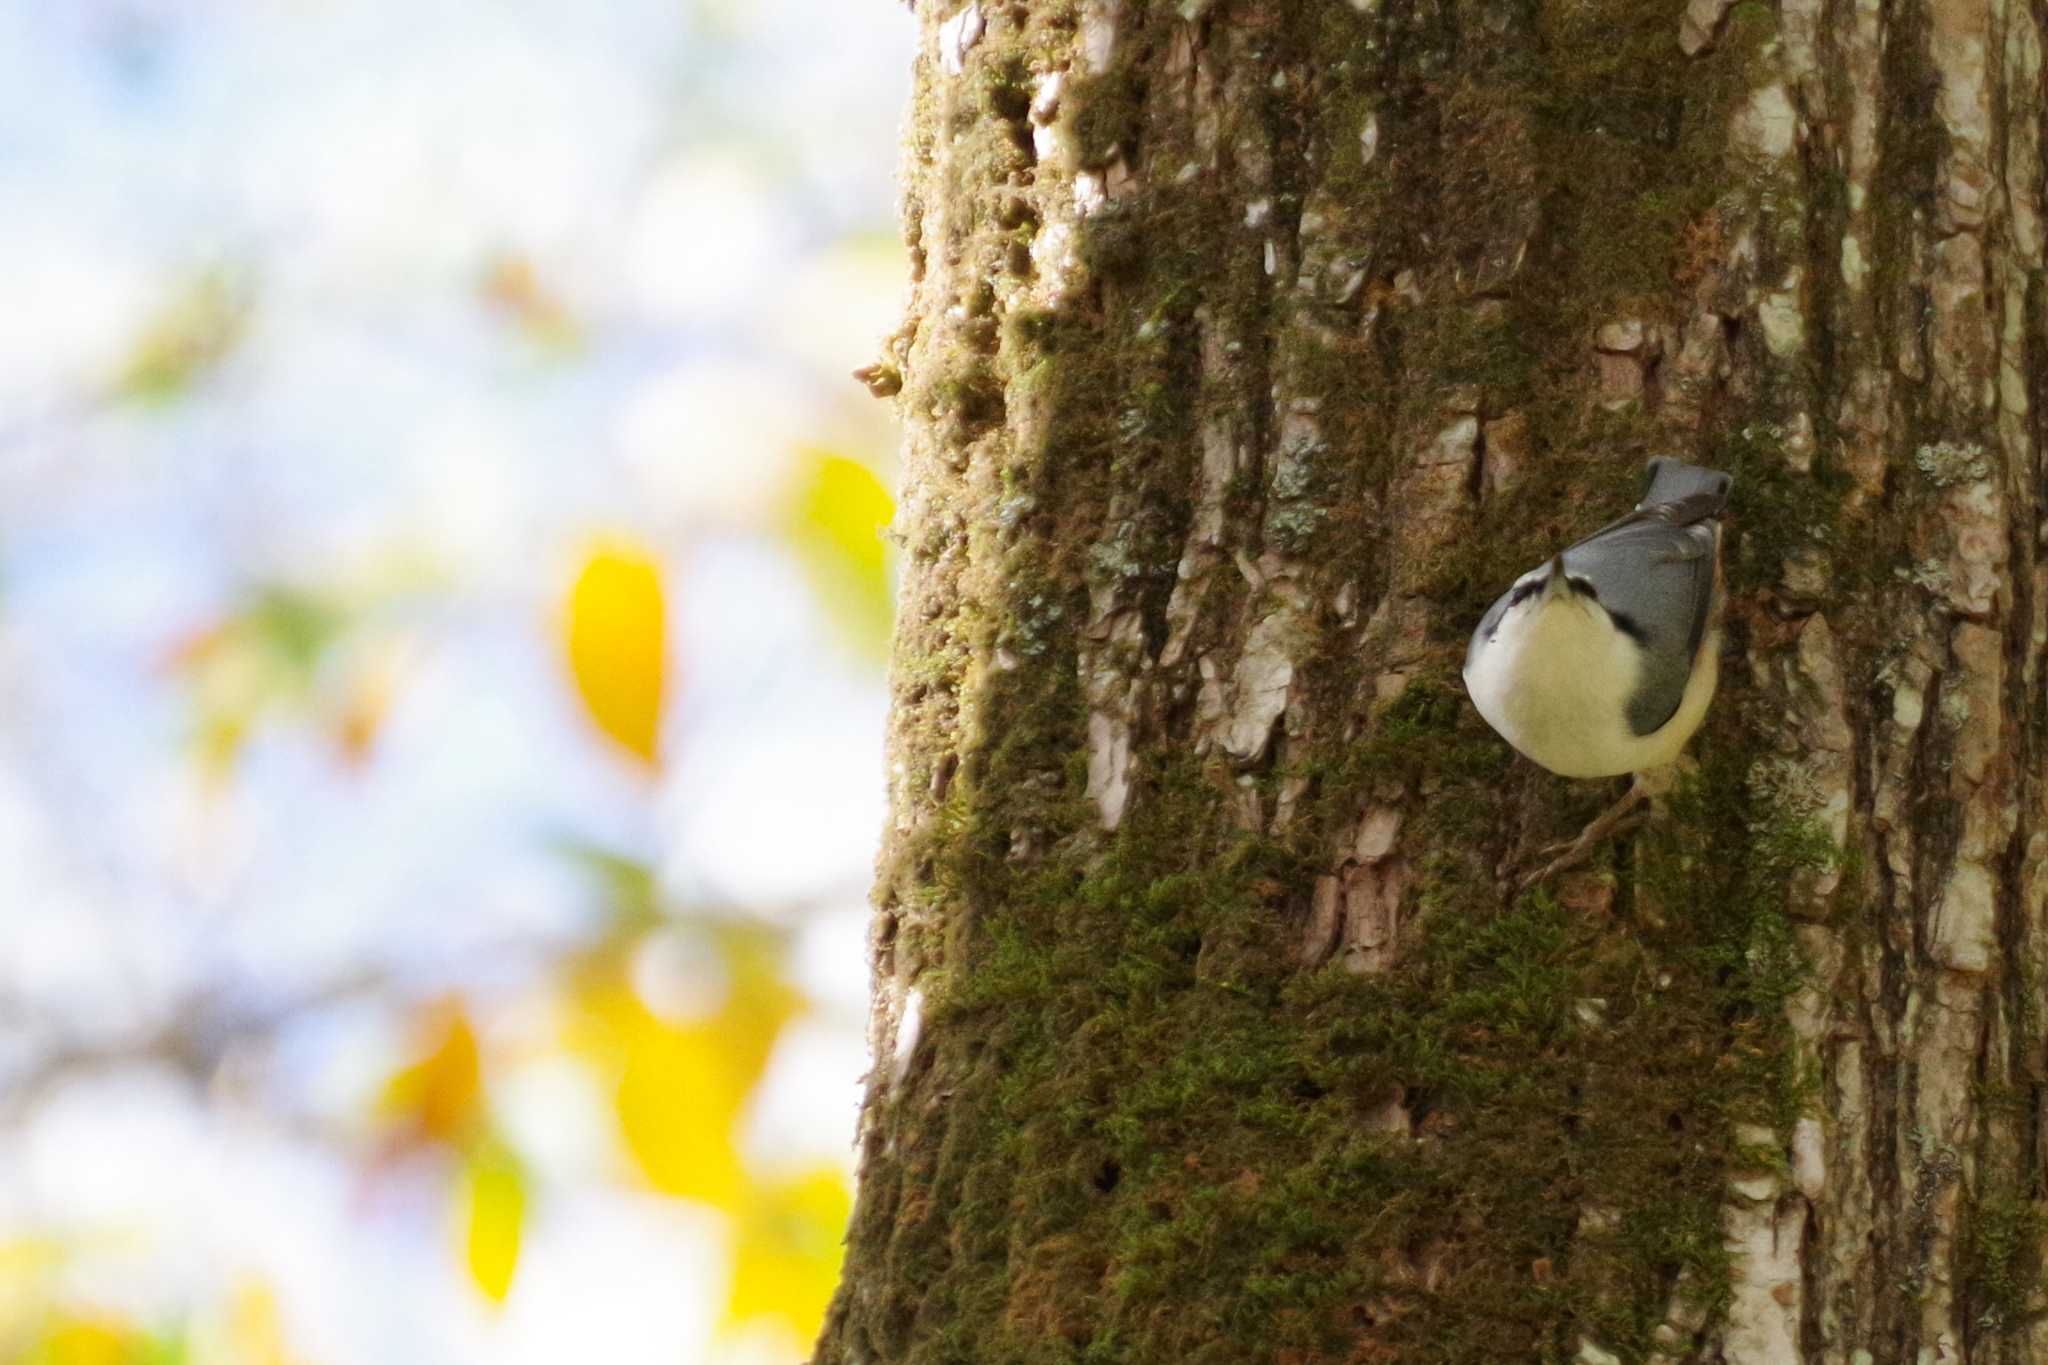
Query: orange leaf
(442, 1093)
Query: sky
(474, 283)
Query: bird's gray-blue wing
(1654, 573)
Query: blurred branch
(199, 1033)
(195, 1036)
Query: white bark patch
(1935, 1145)
(1222, 456)
(1978, 685)
(1783, 316)
(2023, 135)
(1977, 559)
(1369, 140)
(1051, 142)
(1701, 359)
(1589, 1354)
(1855, 270)
(1325, 915)
(1961, 337)
(908, 1026)
(1763, 1237)
(1112, 694)
(1623, 350)
(2013, 402)
(1825, 719)
(1098, 33)
(1809, 1157)
(1089, 194)
(1767, 125)
(1260, 683)
(1456, 445)
(1965, 921)
(1696, 26)
(1356, 911)
(1109, 765)
(1683, 1319)
(1507, 453)
(1052, 255)
(1375, 883)
(1623, 336)
(957, 36)
(1956, 43)
(1799, 32)
(1045, 99)
(1909, 705)
(1376, 834)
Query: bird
(1603, 660)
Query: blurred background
(442, 615)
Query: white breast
(1555, 682)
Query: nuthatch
(1603, 661)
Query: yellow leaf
(617, 645)
(255, 1329)
(494, 1214)
(86, 1341)
(441, 1094)
(787, 1246)
(683, 1083)
(678, 1100)
(838, 513)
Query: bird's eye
(1583, 587)
(1522, 593)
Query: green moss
(2002, 1257)
(1103, 114)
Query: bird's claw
(1624, 815)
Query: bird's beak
(1554, 584)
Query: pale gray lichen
(1929, 575)
(1955, 708)
(1013, 508)
(1114, 557)
(1785, 787)
(1952, 462)
(1035, 623)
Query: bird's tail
(1673, 479)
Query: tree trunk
(1254, 346)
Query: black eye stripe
(1523, 592)
(1583, 587)
(1629, 626)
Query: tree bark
(1253, 347)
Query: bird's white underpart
(1556, 679)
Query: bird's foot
(1618, 818)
